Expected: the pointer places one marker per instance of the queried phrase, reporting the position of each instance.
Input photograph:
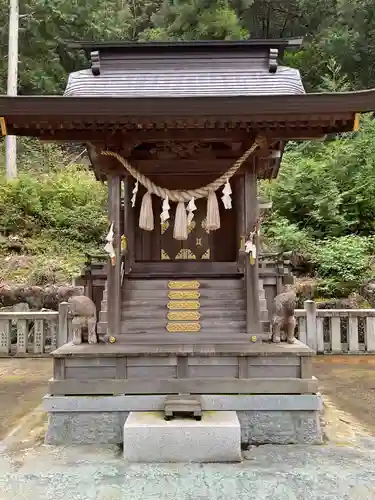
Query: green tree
(195, 20)
(334, 80)
(328, 188)
(348, 37)
(45, 25)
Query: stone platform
(150, 438)
(270, 386)
(271, 418)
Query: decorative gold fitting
(180, 285)
(184, 294)
(181, 304)
(3, 126)
(184, 316)
(124, 242)
(183, 327)
(356, 122)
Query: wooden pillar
(251, 271)
(127, 224)
(240, 209)
(114, 271)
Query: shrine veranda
(181, 133)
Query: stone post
(311, 330)
(62, 334)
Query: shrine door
(160, 246)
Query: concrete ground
(343, 468)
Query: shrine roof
(126, 120)
(222, 77)
(183, 69)
(183, 85)
(63, 117)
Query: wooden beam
(119, 135)
(111, 270)
(218, 107)
(187, 134)
(93, 132)
(240, 210)
(109, 137)
(183, 167)
(117, 231)
(193, 386)
(128, 232)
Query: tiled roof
(184, 77)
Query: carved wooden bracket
(272, 60)
(95, 62)
(182, 149)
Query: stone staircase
(208, 309)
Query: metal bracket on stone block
(182, 404)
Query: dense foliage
(50, 216)
(324, 205)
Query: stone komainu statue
(82, 310)
(283, 321)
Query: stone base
(85, 427)
(150, 438)
(264, 419)
(280, 427)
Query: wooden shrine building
(181, 132)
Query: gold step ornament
(184, 316)
(184, 294)
(183, 327)
(183, 304)
(183, 285)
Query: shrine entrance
(201, 246)
(198, 246)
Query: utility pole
(11, 140)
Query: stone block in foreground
(150, 438)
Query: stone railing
(33, 333)
(37, 333)
(336, 330)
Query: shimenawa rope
(146, 218)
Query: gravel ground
(23, 383)
(269, 472)
(349, 381)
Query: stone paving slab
(148, 437)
